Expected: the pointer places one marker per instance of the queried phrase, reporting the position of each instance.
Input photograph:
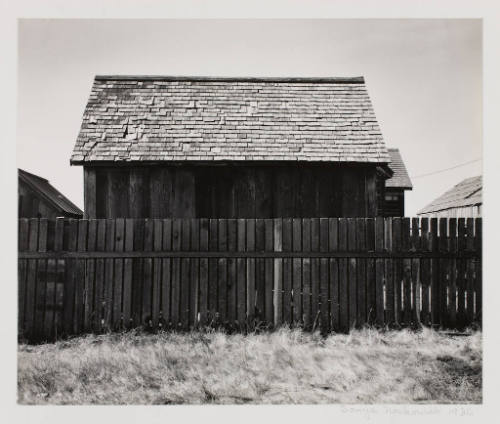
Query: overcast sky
(424, 78)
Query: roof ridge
(343, 80)
(32, 175)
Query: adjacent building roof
(466, 193)
(400, 178)
(151, 118)
(45, 190)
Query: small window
(391, 197)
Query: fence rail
(78, 276)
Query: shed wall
(230, 191)
(31, 205)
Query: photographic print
(249, 211)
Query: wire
(447, 169)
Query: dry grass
(286, 366)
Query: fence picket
(478, 231)
(361, 319)
(278, 273)
(23, 237)
(41, 276)
(461, 279)
(407, 283)
(379, 272)
(334, 275)
(324, 277)
(309, 272)
(127, 274)
(203, 302)
(344, 283)
(287, 272)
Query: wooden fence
(333, 274)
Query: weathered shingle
(400, 178)
(198, 118)
(466, 193)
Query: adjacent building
(37, 198)
(396, 186)
(465, 200)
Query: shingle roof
(135, 118)
(466, 193)
(400, 178)
(50, 193)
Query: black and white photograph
(249, 212)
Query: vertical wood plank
(194, 288)
(443, 271)
(109, 276)
(379, 272)
(176, 273)
(461, 278)
(117, 289)
(435, 274)
(41, 285)
(23, 237)
(222, 272)
(250, 273)
(147, 285)
(69, 286)
(269, 269)
(157, 269)
(260, 282)
(297, 271)
(371, 299)
(99, 277)
(90, 192)
(452, 290)
(127, 274)
(203, 304)
(278, 273)
(344, 282)
(89, 283)
(315, 285)
(324, 271)
(407, 283)
(185, 273)
(415, 272)
(426, 272)
(80, 268)
(31, 281)
(166, 275)
(390, 318)
(241, 275)
(333, 244)
(212, 273)
(470, 272)
(232, 241)
(361, 315)
(478, 245)
(309, 276)
(137, 273)
(287, 272)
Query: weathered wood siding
(394, 202)
(230, 191)
(31, 205)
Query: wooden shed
(464, 200)
(395, 186)
(39, 199)
(206, 147)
